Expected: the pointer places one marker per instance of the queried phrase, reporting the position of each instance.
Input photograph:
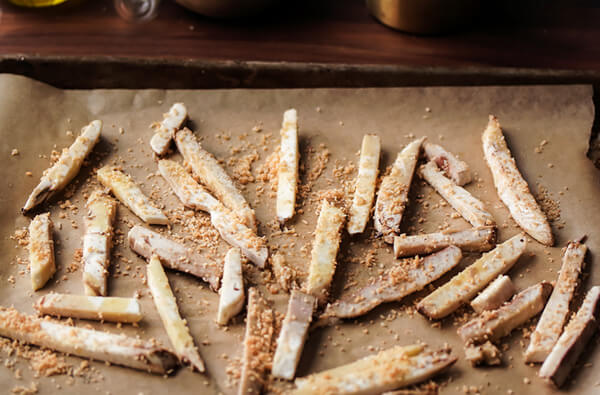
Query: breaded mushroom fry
(257, 343)
(166, 305)
(187, 190)
(472, 209)
(101, 308)
(97, 242)
(465, 285)
(232, 296)
(556, 313)
(166, 129)
(287, 172)
(572, 342)
(324, 250)
(292, 336)
(391, 369)
(393, 192)
(66, 167)
(41, 250)
(366, 181)
(512, 187)
(495, 324)
(86, 343)
(472, 240)
(405, 278)
(123, 187)
(206, 168)
(454, 168)
(498, 292)
(174, 255)
(231, 228)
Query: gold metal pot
(424, 16)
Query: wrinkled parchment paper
(35, 118)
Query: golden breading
(393, 192)
(87, 343)
(41, 250)
(473, 240)
(465, 285)
(231, 228)
(472, 209)
(287, 172)
(324, 250)
(293, 334)
(125, 189)
(232, 296)
(512, 187)
(66, 167)
(388, 370)
(572, 342)
(405, 278)
(101, 308)
(257, 343)
(364, 192)
(166, 304)
(97, 242)
(495, 324)
(166, 129)
(455, 169)
(556, 313)
(210, 173)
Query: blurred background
(529, 33)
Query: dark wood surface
(563, 36)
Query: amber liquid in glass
(37, 3)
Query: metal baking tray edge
(139, 73)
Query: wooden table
(565, 36)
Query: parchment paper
(34, 119)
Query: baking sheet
(35, 118)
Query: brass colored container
(424, 16)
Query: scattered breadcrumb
(46, 363)
(233, 371)
(21, 237)
(267, 174)
(76, 261)
(318, 162)
(540, 148)
(550, 206)
(22, 390)
(242, 167)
